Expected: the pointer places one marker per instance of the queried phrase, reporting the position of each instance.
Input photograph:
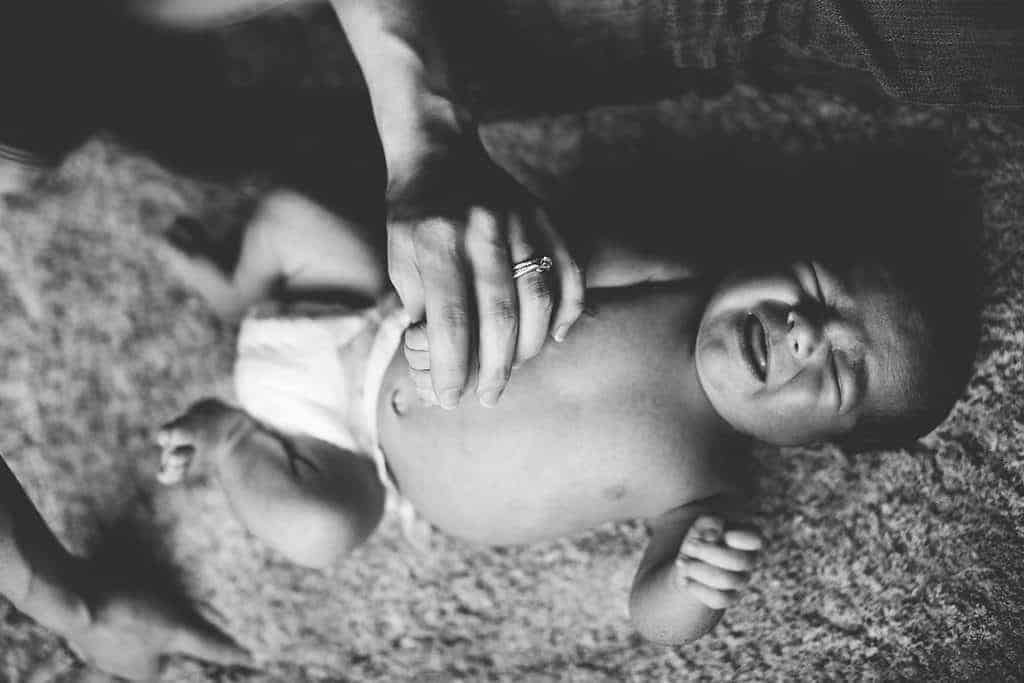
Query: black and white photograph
(581, 341)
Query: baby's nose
(803, 335)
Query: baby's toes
(177, 452)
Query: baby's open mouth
(755, 347)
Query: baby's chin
(708, 359)
(719, 371)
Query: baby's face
(797, 354)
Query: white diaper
(321, 376)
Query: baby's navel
(399, 402)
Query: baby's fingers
(724, 557)
(711, 597)
(416, 337)
(424, 386)
(744, 539)
(417, 360)
(712, 576)
(706, 528)
(416, 348)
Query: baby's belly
(521, 472)
(484, 503)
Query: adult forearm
(409, 77)
(37, 574)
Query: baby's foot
(190, 438)
(177, 451)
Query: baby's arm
(292, 248)
(694, 567)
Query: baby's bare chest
(526, 499)
(540, 486)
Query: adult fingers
(533, 290)
(438, 249)
(487, 250)
(571, 288)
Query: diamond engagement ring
(532, 265)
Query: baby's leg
(292, 248)
(309, 500)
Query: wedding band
(532, 265)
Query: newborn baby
(647, 410)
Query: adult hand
(455, 227)
(132, 630)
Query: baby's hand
(714, 562)
(416, 348)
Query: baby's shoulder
(721, 463)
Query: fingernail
(559, 335)
(489, 397)
(689, 548)
(449, 398)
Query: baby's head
(861, 353)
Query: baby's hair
(927, 244)
(949, 330)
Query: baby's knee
(318, 536)
(310, 501)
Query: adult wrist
(432, 128)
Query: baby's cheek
(711, 355)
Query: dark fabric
(67, 68)
(545, 53)
(965, 53)
(43, 63)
